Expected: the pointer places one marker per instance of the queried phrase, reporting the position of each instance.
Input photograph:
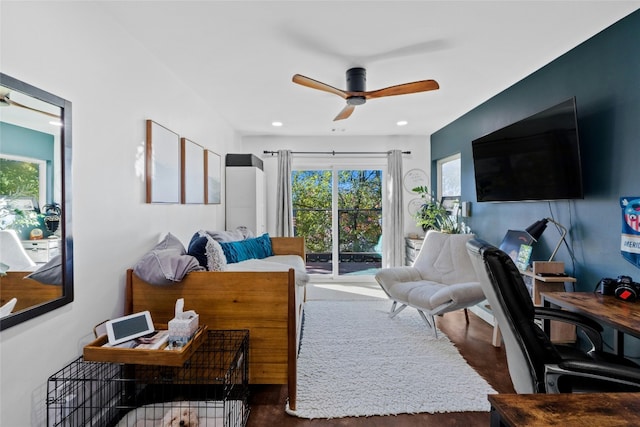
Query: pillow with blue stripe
(242, 250)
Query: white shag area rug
(355, 361)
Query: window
(22, 188)
(449, 176)
(339, 212)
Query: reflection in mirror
(36, 255)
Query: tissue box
(181, 330)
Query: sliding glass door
(339, 212)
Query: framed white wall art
(193, 172)
(162, 164)
(213, 174)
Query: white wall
(73, 50)
(418, 159)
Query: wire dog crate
(209, 390)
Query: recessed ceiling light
(402, 123)
(55, 123)
(276, 124)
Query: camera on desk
(623, 288)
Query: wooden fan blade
(345, 113)
(314, 84)
(403, 89)
(17, 104)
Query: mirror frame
(66, 233)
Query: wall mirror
(35, 202)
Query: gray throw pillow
(246, 233)
(166, 263)
(50, 273)
(226, 236)
(240, 233)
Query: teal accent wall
(19, 141)
(603, 73)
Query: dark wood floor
(473, 340)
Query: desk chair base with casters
(535, 364)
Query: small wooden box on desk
(546, 276)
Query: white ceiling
(241, 55)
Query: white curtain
(393, 219)
(284, 207)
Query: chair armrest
(621, 378)
(590, 327)
(397, 274)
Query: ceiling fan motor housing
(356, 82)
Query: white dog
(180, 417)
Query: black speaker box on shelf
(244, 160)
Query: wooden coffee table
(565, 410)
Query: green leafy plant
(433, 216)
(18, 219)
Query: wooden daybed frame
(29, 292)
(268, 304)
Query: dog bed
(209, 413)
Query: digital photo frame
(129, 327)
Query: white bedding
(210, 413)
(274, 263)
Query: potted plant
(19, 220)
(433, 216)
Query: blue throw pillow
(257, 248)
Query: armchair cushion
(459, 295)
(418, 293)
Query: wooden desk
(558, 332)
(622, 316)
(566, 410)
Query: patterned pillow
(207, 251)
(257, 248)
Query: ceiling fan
(6, 101)
(356, 93)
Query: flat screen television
(536, 158)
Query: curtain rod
(333, 153)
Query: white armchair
(442, 279)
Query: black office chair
(535, 364)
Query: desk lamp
(537, 228)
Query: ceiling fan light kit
(356, 93)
